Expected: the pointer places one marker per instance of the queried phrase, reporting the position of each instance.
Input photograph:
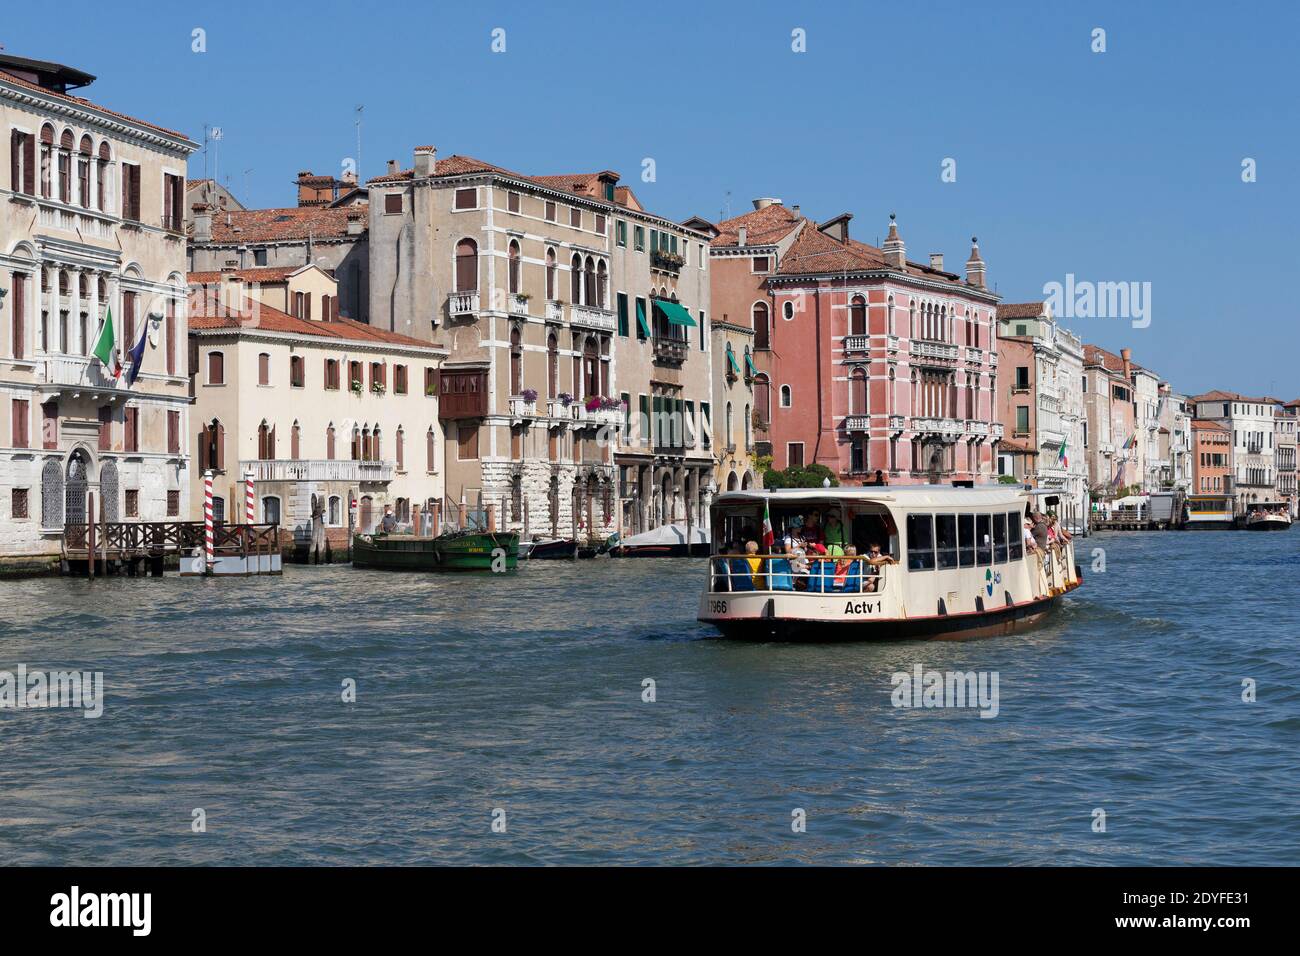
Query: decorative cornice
(92, 115)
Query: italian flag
(104, 350)
(1063, 457)
(768, 537)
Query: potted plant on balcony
(667, 260)
(356, 386)
(377, 387)
(566, 399)
(529, 395)
(593, 404)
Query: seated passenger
(755, 564)
(846, 574)
(799, 567)
(781, 572)
(834, 535)
(873, 561)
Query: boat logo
(991, 579)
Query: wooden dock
(136, 546)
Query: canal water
(520, 698)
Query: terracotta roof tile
(257, 274)
(278, 225)
(1020, 310)
(206, 312)
(762, 226)
(81, 101)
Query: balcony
(937, 354)
(462, 303)
(993, 359)
(554, 310)
(89, 223)
(949, 428)
(979, 429)
(75, 374)
(522, 408)
(1050, 436)
(857, 423)
(318, 469)
(670, 351)
(974, 356)
(897, 423)
(857, 343)
(667, 261)
(557, 410)
(518, 305)
(995, 429)
(891, 344)
(589, 317)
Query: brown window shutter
(221, 447)
(15, 161)
(201, 459)
(29, 164)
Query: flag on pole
(104, 350)
(1062, 457)
(768, 537)
(137, 355)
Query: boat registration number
(717, 607)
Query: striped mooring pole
(250, 514)
(207, 521)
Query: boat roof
(912, 496)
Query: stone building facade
(91, 222)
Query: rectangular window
(512, 202)
(216, 368)
(173, 433)
(1022, 376)
(169, 332)
(1015, 535)
(22, 162)
(128, 320)
(355, 382)
(575, 217)
(793, 454)
(131, 192)
(18, 309)
(264, 369)
(21, 411)
(620, 232)
(131, 429)
(643, 420)
(627, 418)
(467, 198)
(173, 202)
(173, 504)
(430, 381)
(550, 210)
(622, 314)
(20, 506)
(393, 203)
(50, 425)
(399, 380)
(858, 456)
(106, 428)
(1000, 538)
(600, 224)
(466, 442)
(945, 538)
(297, 371)
(259, 257)
(1022, 419)
(966, 541)
(706, 424)
(704, 340)
(920, 542)
(331, 374)
(132, 502)
(760, 264)
(638, 238)
(983, 540)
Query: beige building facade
(91, 222)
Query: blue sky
(1115, 166)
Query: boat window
(1000, 538)
(966, 540)
(920, 542)
(983, 543)
(945, 536)
(1015, 535)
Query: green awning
(749, 362)
(640, 319)
(675, 314)
(731, 360)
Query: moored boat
(549, 549)
(456, 551)
(1208, 513)
(954, 563)
(1267, 516)
(668, 541)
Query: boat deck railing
(775, 573)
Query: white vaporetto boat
(957, 564)
(1268, 516)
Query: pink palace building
(862, 360)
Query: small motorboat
(1267, 516)
(667, 541)
(549, 549)
(454, 551)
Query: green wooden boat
(468, 551)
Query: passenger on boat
(834, 535)
(389, 524)
(1055, 526)
(847, 574)
(1039, 529)
(874, 560)
(799, 566)
(1030, 543)
(755, 564)
(812, 532)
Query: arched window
(265, 441)
(466, 266)
(295, 442)
(356, 443)
(66, 144)
(52, 495)
(84, 151)
(401, 450)
(514, 267)
(731, 441)
(552, 366)
(589, 283)
(602, 284)
(335, 511)
(516, 361)
(101, 177)
(749, 443)
(270, 510)
(858, 316)
(47, 159)
(858, 392)
(550, 274)
(74, 494)
(375, 454)
(575, 279)
(762, 327)
(786, 397)
(431, 449)
(763, 398)
(366, 514)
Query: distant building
(864, 361)
(92, 222)
(322, 407)
(1211, 457)
(1286, 435)
(1252, 422)
(1111, 438)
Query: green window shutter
(622, 314)
(644, 424)
(627, 417)
(674, 245)
(703, 346)
(642, 327)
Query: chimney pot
(764, 201)
(425, 158)
(741, 235)
(936, 261)
(392, 166)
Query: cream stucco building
(91, 221)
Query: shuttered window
(21, 411)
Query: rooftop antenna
(360, 108)
(246, 172)
(726, 205)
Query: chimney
(837, 228)
(202, 222)
(765, 201)
(426, 158)
(894, 250)
(1127, 356)
(795, 209)
(392, 167)
(936, 261)
(742, 235)
(356, 222)
(306, 193)
(350, 177)
(975, 264)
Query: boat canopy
(669, 534)
(907, 496)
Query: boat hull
(661, 551)
(553, 550)
(470, 552)
(956, 627)
(1269, 524)
(1227, 524)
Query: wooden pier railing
(125, 540)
